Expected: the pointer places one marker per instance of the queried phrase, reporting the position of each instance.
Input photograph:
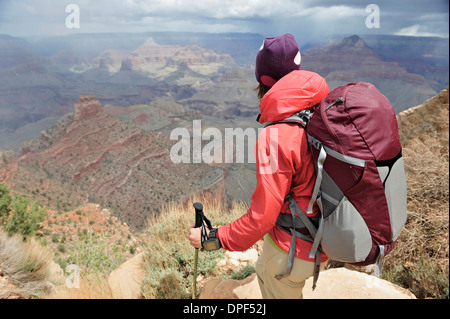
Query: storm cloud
(307, 20)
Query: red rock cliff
(87, 107)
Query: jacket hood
(297, 91)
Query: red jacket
(293, 171)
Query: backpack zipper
(339, 99)
(324, 116)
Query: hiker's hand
(195, 236)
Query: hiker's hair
(261, 90)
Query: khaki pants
(273, 261)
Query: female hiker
(284, 166)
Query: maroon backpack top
(360, 186)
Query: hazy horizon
(308, 21)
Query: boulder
(342, 283)
(336, 283)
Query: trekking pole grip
(198, 222)
(198, 214)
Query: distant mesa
(87, 107)
(352, 42)
(342, 61)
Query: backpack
(360, 186)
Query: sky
(308, 19)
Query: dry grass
(169, 259)
(25, 263)
(420, 259)
(90, 287)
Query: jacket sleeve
(274, 170)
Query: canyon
(92, 157)
(357, 62)
(87, 118)
(214, 73)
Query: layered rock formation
(159, 61)
(231, 96)
(35, 88)
(136, 69)
(427, 56)
(86, 108)
(91, 156)
(347, 60)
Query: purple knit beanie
(277, 57)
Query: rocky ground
(336, 283)
(8, 290)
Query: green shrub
(95, 256)
(243, 273)
(18, 215)
(424, 279)
(55, 238)
(61, 248)
(5, 203)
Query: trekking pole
(198, 222)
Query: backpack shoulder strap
(303, 118)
